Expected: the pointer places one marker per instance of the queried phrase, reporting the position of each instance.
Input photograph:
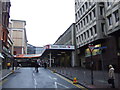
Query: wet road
(28, 78)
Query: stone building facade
(97, 23)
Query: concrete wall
(68, 38)
(18, 34)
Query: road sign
(91, 47)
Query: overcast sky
(45, 20)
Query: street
(28, 78)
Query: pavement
(84, 77)
(4, 73)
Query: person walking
(45, 65)
(36, 67)
(111, 75)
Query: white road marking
(35, 81)
(55, 78)
(33, 75)
(52, 78)
(62, 85)
(55, 84)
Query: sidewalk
(5, 73)
(84, 77)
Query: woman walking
(111, 75)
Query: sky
(45, 20)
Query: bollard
(75, 80)
(12, 71)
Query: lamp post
(91, 48)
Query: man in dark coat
(36, 67)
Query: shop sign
(68, 47)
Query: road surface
(28, 78)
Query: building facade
(18, 34)
(94, 26)
(68, 38)
(4, 37)
(112, 19)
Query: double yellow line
(77, 85)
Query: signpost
(91, 48)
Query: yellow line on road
(3, 81)
(79, 86)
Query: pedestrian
(111, 76)
(36, 67)
(45, 65)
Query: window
(75, 4)
(87, 19)
(95, 30)
(109, 3)
(76, 28)
(78, 3)
(90, 16)
(84, 21)
(83, 8)
(78, 14)
(86, 5)
(91, 31)
(90, 3)
(88, 33)
(116, 15)
(102, 26)
(84, 35)
(79, 39)
(80, 11)
(94, 13)
(81, 24)
(101, 10)
(109, 20)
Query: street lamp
(91, 48)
